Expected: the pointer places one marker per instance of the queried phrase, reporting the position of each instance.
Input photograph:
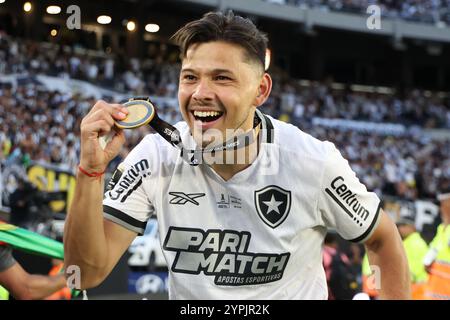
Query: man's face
(218, 87)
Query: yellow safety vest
(4, 294)
(416, 248)
(441, 243)
(438, 286)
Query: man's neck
(241, 158)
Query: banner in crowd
(361, 126)
(50, 178)
(425, 214)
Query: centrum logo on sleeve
(224, 255)
(124, 185)
(347, 200)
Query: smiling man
(249, 229)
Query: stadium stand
(428, 11)
(34, 116)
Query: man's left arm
(347, 206)
(385, 250)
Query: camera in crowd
(30, 207)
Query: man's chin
(207, 137)
(207, 143)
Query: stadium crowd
(426, 11)
(42, 125)
(320, 99)
(158, 76)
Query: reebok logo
(183, 198)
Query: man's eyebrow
(221, 71)
(213, 71)
(188, 70)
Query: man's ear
(264, 89)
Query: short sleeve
(6, 258)
(126, 201)
(344, 202)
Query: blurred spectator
(437, 259)
(341, 276)
(415, 249)
(21, 284)
(64, 293)
(19, 202)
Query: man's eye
(223, 78)
(189, 77)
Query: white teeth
(206, 113)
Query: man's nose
(203, 91)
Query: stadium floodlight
(152, 27)
(131, 26)
(53, 9)
(103, 19)
(27, 7)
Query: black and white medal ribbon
(141, 111)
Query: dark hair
(217, 26)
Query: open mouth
(207, 116)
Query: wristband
(93, 174)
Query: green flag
(30, 242)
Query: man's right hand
(97, 123)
